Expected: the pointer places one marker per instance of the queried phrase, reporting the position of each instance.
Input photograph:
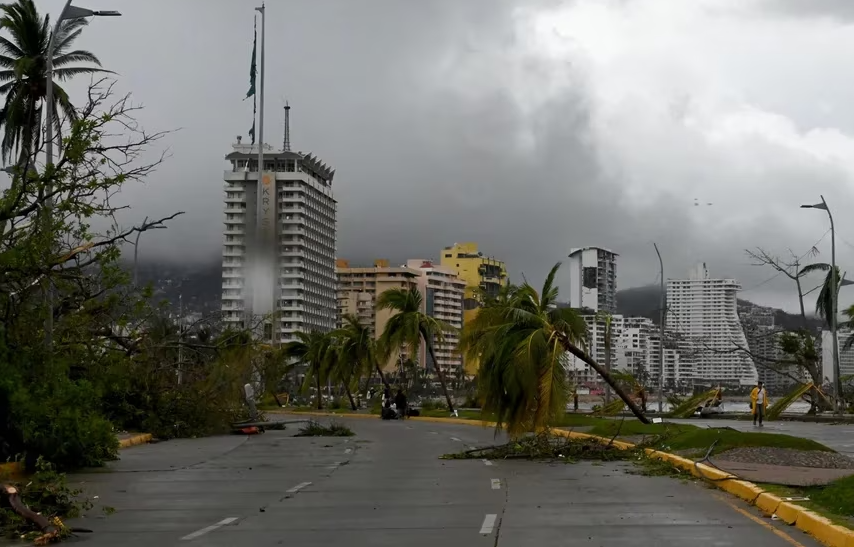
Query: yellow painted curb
(16, 469)
(768, 503)
(12, 469)
(142, 438)
(323, 414)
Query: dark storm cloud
(422, 160)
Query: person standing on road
(400, 403)
(758, 403)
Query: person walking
(758, 403)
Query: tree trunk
(571, 348)
(438, 369)
(608, 358)
(319, 392)
(350, 396)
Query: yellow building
(482, 275)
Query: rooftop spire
(286, 146)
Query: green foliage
(46, 491)
(697, 438)
(24, 67)
(432, 404)
(317, 429)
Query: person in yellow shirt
(758, 403)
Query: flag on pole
(252, 68)
(252, 73)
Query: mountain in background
(645, 302)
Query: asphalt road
(387, 487)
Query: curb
(803, 519)
(16, 469)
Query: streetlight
(68, 12)
(834, 282)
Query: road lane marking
(488, 524)
(211, 528)
(298, 487)
(486, 462)
(789, 539)
(456, 439)
(334, 465)
(409, 427)
(348, 450)
(434, 432)
(496, 484)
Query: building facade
(763, 339)
(593, 279)
(705, 312)
(846, 356)
(278, 266)
(483, 276)
(359, 287)
(442, 292)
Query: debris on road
(316, 429)
(546, 447)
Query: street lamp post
(68, 12)
(834, 296)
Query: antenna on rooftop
(286, 145)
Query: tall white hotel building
(278, 260)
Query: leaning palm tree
(23, 68)
(410, 325)
(316, 351)
(522, 345)
(360, 349)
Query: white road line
(496, 484)
(409, 427)
(456, 439)
(488, 524)
(298, 487)
(348, 450)
(334, 465)
(434, 432)
(204, 531)
(486, 462)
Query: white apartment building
(705, 312)
(593, 279)
(635, 349)
(443, 295)
(846, 357)
(279, 242)
(763, 339)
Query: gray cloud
(446, 124)
(837, 9)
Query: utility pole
(662, 318)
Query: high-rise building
(846, 356)
(705, 311)
(593, 279)
(279, 242)
(483, 276)
(763, 340)
(442, 292)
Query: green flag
(252, 69)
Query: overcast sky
(531, 127)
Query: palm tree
(521, 346)
(23, 68)
(410, 325)
(359, 348)
(317, 351)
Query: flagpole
(258, 250)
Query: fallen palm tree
(547, 446)
(689, 406)
(776, 410)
